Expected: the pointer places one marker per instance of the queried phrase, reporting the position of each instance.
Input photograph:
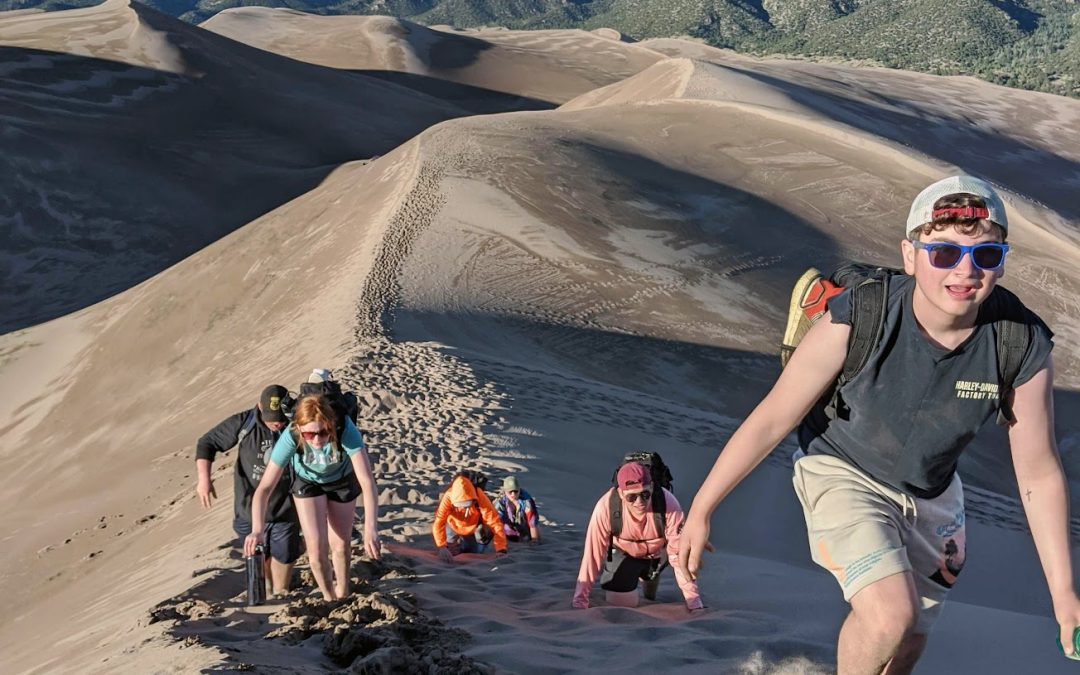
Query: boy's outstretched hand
(692, 542)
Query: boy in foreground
(877, 473)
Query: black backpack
(869, 296)
(344, 404)
(661, 478)
(478, 479)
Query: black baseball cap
(270, 403)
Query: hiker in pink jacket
(639, 552)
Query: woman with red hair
(332, 469)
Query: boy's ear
(907, 253)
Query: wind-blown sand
(535, 292)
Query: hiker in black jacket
(255, 431)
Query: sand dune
(132, 140)
(543, 68)
(534, 292)
(641, 309)
(979, 127)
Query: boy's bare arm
(1044, 493)
(812, 369)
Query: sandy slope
(542, 68)
(620, 294)
(534, 292)
(161, 361)
(132, 139)
(980, 127)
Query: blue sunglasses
(946, 256)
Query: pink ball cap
(633, 475)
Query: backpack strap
(659, 504)
(868, 300)
(1013, 339)
(247, 426)
(1013, 329)
(615, 511)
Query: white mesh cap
(922, 209)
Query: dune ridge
(548, 67)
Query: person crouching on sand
(517, 511)
(465, 512)
(331, 465)
(640, 552)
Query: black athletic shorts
(622, 573)
(283, 538)
(343, 490)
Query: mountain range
(1029, 44)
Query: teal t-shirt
(316, 465)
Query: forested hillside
(1031, 44)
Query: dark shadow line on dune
(478, 100)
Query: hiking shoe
(809, 301)
(651, 586)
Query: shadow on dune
(477, 100)
(443, 51)
(1029, 170)
(685, 401)
(674, 383)
(112, 172)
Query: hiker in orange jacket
(467, 517)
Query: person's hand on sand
(251, 541)
(1067, 613)
(693, 540)
(206, 492)
(581, 596)
(445, 555)
(372, 546)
